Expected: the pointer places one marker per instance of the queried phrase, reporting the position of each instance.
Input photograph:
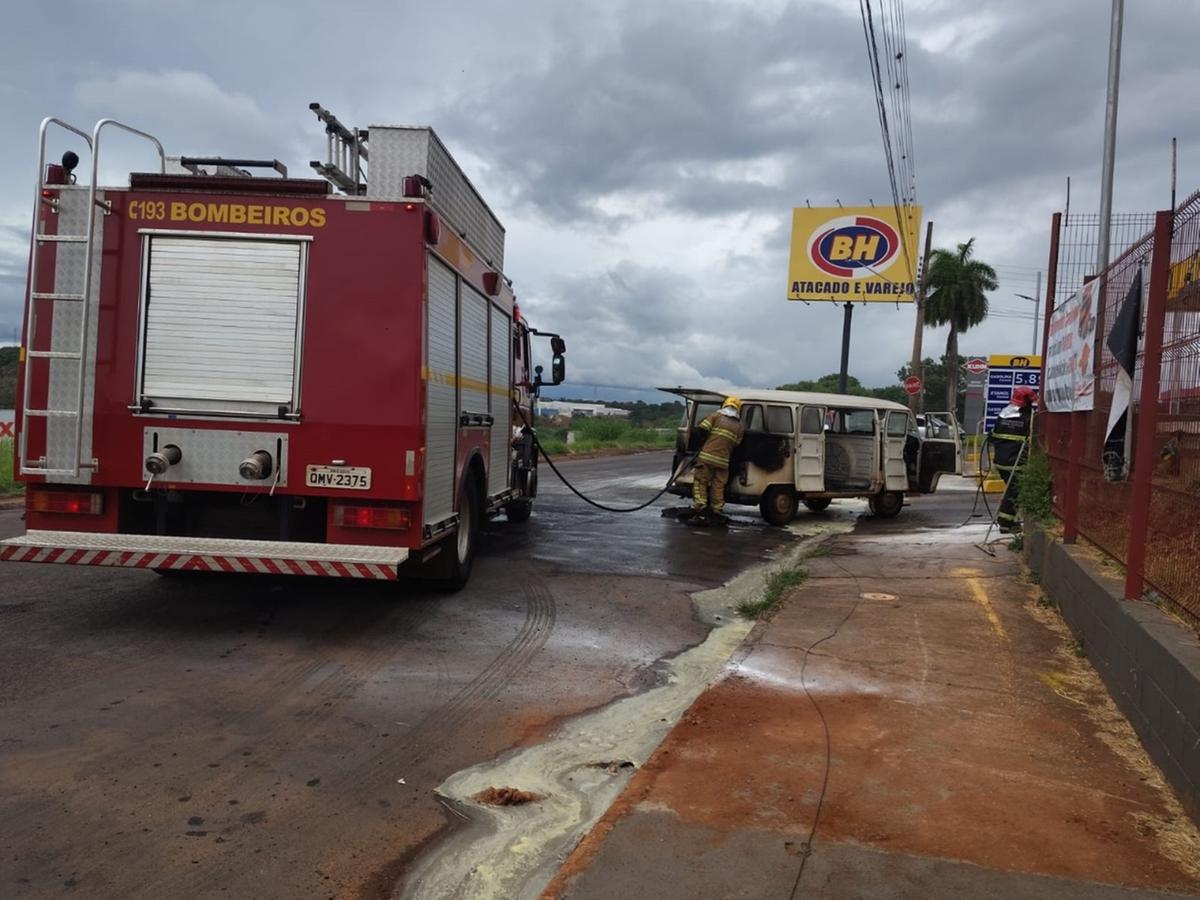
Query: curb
(17, 502)
(1149, 663)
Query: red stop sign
(912, 385)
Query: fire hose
(679, 470)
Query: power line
(897, 144)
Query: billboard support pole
(916, 402)
(844, 372)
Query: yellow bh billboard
(854, 254)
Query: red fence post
(1146, 418)
(1070, 504)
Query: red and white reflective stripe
(196, 563)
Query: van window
(853, 421)
(897, 424)
(779, 420)
(703, 411)
(752, 417)
(811, 420)
(938, 429)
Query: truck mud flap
(189, 554)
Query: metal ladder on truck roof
(79, 294)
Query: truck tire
(460, 550)
(518, 511)
(818, 504)
(778, 504)
(886, 504)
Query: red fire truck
(236, 372)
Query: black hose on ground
(586, 499)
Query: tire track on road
(445, 722)
(435, 731)
(338, 647)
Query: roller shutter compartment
(222, 324)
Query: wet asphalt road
(233, 736)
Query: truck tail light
(371, 517)
(84, 502)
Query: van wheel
(886, 504)
(818, 504)
(778, 504)
(460, 550)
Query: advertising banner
(854, 254)
(1005, 374)
(1070, 353)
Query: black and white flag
(1123, 343)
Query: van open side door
(941, 450)
(810, 450)
(895, 433)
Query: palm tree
(957, 297)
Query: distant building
(568, 409)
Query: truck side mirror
(558, 369)
(538, 381)
(558, 346)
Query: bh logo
(854, 246)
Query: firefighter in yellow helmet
(725, 431)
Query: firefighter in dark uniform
(1010, 439)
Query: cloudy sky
(645, 156)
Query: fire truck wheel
(886, 504)
(519, 510)
(460, 551)
(818, 504)
(778, 504)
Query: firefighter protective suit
(1010, 439)
(725, 431)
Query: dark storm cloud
(677, 102)
(645, 156)
(681, 103)
(646, 326)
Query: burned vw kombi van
(814, 448)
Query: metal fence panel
(1172, 566)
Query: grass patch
(603, 434)
(1035, 492)
(776, 585)
(7, 485)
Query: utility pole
(916, 402)
(1037, 309)
(1110, 135)
(1037, 312)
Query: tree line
(8, 377)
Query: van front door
(810, 450)
(895, 432)
(941, 449)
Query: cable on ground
(812, 832)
